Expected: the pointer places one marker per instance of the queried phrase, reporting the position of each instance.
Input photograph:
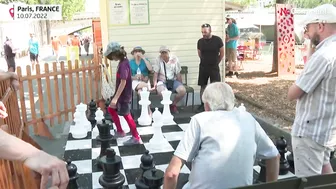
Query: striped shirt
(316, 109)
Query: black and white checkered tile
(83, 153)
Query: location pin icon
(11, 12)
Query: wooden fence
(77, 83)
(14, 175)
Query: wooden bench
(184, 73)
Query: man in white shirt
(222, 144)
(167, 76)
(314, 127)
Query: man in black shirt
(9, 55)
(211, 52)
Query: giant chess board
(83, 153)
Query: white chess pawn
(168, 118)
(242, 107)
(144, 118)
(158, 141)
(99, 116)
(84, 120)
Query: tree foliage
(310, 3)
(69, 7)
(244, 3)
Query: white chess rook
(167, 117)
(144, 118)
(158, 141)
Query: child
(120, 103)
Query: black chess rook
(73, 175)
(147, 163)
(111, 177)
(104, 138)
(92, 114)
(281, 145)
(154, 178)
(107, 114)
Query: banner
(286, 39)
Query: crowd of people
(221, 142)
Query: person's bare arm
(199, 53)
(120, 88)
(272, 169)
(172, 172)
(155, 78)
(295, 92)
(7, 75)
(221, 54)
(14, 149)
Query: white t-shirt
(173, 68)
(222, 146)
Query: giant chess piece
(99, 116)
(81, 108)
(158, 141)
(79, 130)
(281, 145)
(262, 173)
(111, 178)
(168, 118)
(73, 175)
(104, 138)
(147, 163)
(144, 118)
(154, 178)
(107, 114)
(92, 114)
(290, 159)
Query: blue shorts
(175, 85)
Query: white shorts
(135, 83)
(309, 156)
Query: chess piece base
(79, 133)
(112, 183)
(284, 167)
(140, 184)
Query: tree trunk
(275, 41)
(48, 31)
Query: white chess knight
(144, 118)
(168, 118)
(81, 109)
(158, 141)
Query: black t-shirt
(8, 51)
(210, 49)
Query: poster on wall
(118, 12)
(286, 39)
(139, 12)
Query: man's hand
(3, 111)
(48, 165)
(16, 85)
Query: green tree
(244, 3)
(310, 3)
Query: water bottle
(138, 72)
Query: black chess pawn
(281, 145)
(147, 163)
(104, 138)
(111, 178)
(154, 178)
(92, 114)
(107, 114)
(290, 159)
(73, 175)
